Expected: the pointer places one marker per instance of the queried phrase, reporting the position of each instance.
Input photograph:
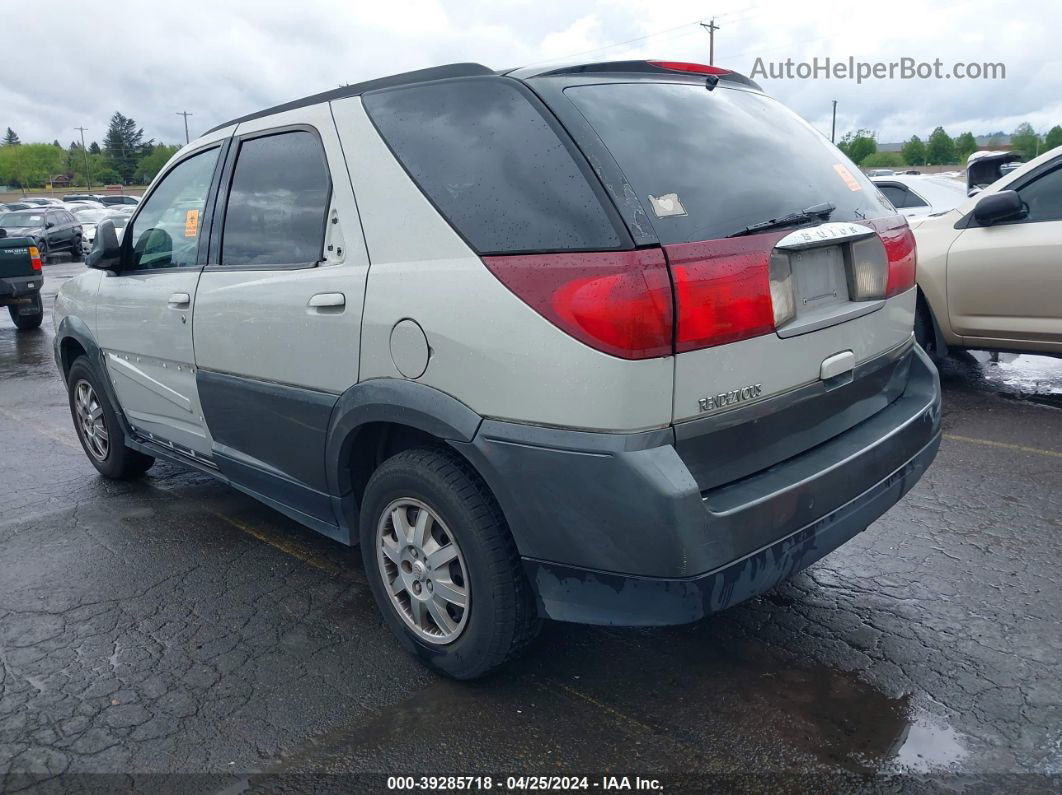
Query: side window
(896, 194)
(166, 232)
(52, 217)
(914, 200)
(1044, 197)
(487, 158)
(278, 203)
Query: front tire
(98, 429)
(924, 330)
(442, 564)
(27, 318)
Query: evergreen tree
(123, 145)
(11, 138)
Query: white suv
(620, 343)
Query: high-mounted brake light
(697, 68)
(617, 302)
(35, 258)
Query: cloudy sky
(223, 58)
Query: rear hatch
(791, 273)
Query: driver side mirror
(1003, 206)
(106, 252)
(49, 224)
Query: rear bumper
(19, 286)
(613, 529)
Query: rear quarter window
(489, 160)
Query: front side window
(278, 202)
(895, 194)
(166, 232)
(1043, 197)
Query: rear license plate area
(819, 279)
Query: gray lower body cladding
(614, 529)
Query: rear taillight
(900, 251)
(35, 258)
(723, 290)
(618, 302)
(683, 66)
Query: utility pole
(833, 127)
(711, 27)
(88, 167)
(186, 114)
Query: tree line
(941, 149)
(125, 158)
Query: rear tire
(27, 318)
(98, 428)
(465, 527)
(76, 252)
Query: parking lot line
(55, 435)
(287, 547)
(988, 442)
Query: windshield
(22, 218)
(706, 164)
(90, 215)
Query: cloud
(219, 59)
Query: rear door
(143, 312)
(278, 310)
(1005, 280)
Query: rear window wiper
(816, 212)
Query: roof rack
(357, 89)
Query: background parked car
(77, 197)
(919, 196)
(51, 228)
(989, 271)
(40, 201)
(89, 217)
(120, 201)
(6, 208)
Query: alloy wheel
(423, 570)
(90, 421)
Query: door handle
(327, 300)
(180, 299)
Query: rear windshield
(493, 166)
(706, 164)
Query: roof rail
(357, 89)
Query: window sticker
(667, 206)
(846, 175)
(191, 223)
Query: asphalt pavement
(174, 626)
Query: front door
(144, 311)
(278, 309)
(1004, 280)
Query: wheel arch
(73, 339)
(375, 419)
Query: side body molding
(389, 400)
